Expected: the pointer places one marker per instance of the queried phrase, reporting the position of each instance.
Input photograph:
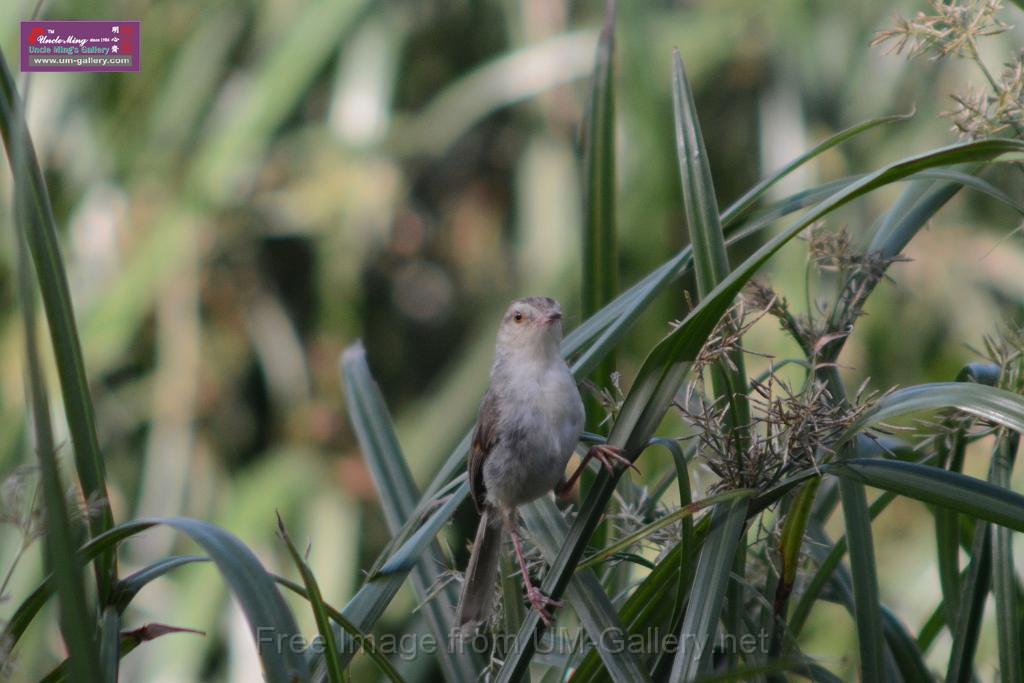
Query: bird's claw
(609, 456)
(543, 604)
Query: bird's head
(532, 325)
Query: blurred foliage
(285, 176)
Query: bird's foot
(609, 456)
(543, 604)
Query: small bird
(530, 421)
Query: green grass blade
(743, 204)
(973, 182)
(110, 644)
(967, 495)
(794, 528)
(867, 612)
(826, 566)
(708, 593)
(76, 619)
(972, 603)
(585, 595)
(947, 527)
(127, 588)
(711, 263)
(600, 256)
(129, 640)
(40, 232)
(710, 260)
(335, 672)
(903, 660)
(398, 495)
(989, 403)
(906, 654)
(1004, 575)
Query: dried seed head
(953, 28)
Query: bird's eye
(518, 317)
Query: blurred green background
(283, 178)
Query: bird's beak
(553, 317)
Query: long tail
(478, 592)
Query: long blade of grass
(41, 236)
(968, 495)
(972, 604)
(947, 524)
(110, 644)
(707, 595)
(989, 403)
(127, 588)
(600, 256)
(710, 260)
(1004, 575)
(398, 495)
(76, 619)
(867, 611)
(903, 660)
(335, 672)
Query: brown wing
(485, 435)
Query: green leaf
(947, 526)
(794, 528)
(40, 231)
(398, 495)
(110, 644)
(710, 260)
(714, 568)
(968, 495)
(988, 403)
(335, 672)
(972, 607)
(1004, 575)
(600, 257)
(867, 611)
(127, 588)
(76, 619)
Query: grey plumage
(529, 424)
